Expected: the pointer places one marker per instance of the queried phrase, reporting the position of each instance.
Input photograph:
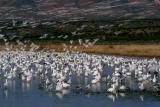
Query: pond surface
(31, 96)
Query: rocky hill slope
(78, 9)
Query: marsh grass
(134, 49)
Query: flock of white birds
(80, 72)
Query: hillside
(78, 9)
(103, 31)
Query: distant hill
(23, 2)
(16, 3)
(78, 9)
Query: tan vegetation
(117, 49)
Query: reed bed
(116, 49)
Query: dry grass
(118, 49)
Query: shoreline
(144, 50)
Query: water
(31, 96)
(34, 97)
